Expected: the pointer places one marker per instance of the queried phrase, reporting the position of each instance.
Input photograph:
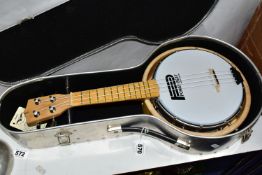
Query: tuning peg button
(52, 109)
(36, 113)
(37, 101)
(52, 99)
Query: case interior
(19, 96)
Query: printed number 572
(20, 153)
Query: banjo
(198, 91)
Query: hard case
(91, 123)
(58, 39)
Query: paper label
(19, 121)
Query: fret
(86, 100)
(137, 90)
(146, 89)
(121, 94)
(101, 95)
(142, 90)
(93, 97)
(149, 88)
(132, 91)
(127, 91)
(115, 95)
(89, 97)
(108, 94)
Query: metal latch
(246, 134)
(63, 137)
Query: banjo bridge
(213, 74)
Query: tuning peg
(37, 101)
(36, 113)
(52, 98)
(52, 109)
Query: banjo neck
(125, 92)
(47, 107)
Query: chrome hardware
(36, 113)
(63, 137)
(114, 129)
(182, 144)
(246, 135)
(37, 101)
(52, 109)
(52, 99)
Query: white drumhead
(197, 98)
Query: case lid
(76, 27)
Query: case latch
(63, 137)
(246, 134)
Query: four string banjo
(197, 90)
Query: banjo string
(163, 81)
(163, 90)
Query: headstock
(44, 108)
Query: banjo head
(198, 88)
